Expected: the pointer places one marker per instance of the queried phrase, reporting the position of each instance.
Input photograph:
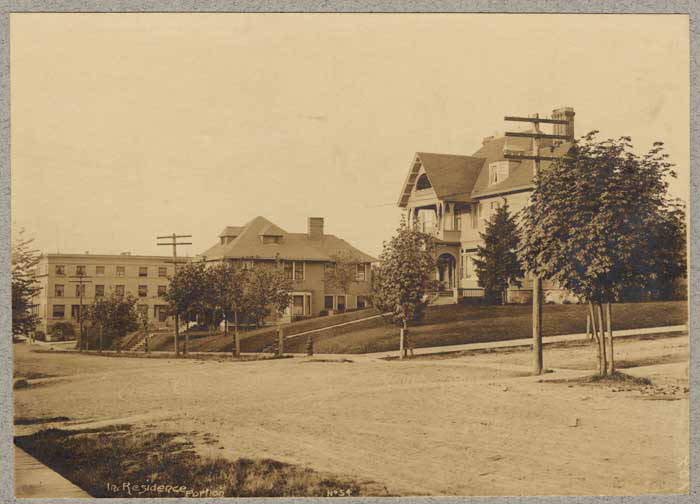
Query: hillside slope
(457, 324)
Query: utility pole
(81, 288)
(536, 135)
(174, 243)
(278, 319)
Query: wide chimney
(566, 114)
(315, 228)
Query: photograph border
(689, 7)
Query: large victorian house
(453, 196)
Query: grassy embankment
(120, 462)
(443, 325)
(458, 324)
(256, 340)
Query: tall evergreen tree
(24, 285)
(497, 264)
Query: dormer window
(270, 239)
(423, 183)
(498, 172)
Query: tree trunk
(236, 339)
(601, 321)
(177, 334)
(594, 332)
(280, 341)
(100, 349)
(589, 334)
(226, 329)
(611, 360)
(402, 346)
(538, 363)
(187, 340)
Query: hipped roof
(291, 246)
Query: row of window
(361, 272)
(338, 303)
(58, 311)
(120, 271)
(294, 270)
(59, 290)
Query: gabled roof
(292, 246)
(466, 178)
(451, 176)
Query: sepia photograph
(349, 254)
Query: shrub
(62, 330)
(40, 335)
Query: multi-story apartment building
(453, 196)
(145, 277)
(305, 258)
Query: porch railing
(471, 293)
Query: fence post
(309, 345)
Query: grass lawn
(458, 324)
(120, 462)
(256, 340)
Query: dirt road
(474, 425)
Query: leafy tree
(497, 263)
(114, 316)
(267, 290)
(25, 286)
(188, 293)
(228, 284)
(667, 250)
(593, 223)
(341, 273)
(405, 274)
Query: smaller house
(305, 258)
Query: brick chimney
(315, 228)
(565, 113)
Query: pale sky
(128, 126)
